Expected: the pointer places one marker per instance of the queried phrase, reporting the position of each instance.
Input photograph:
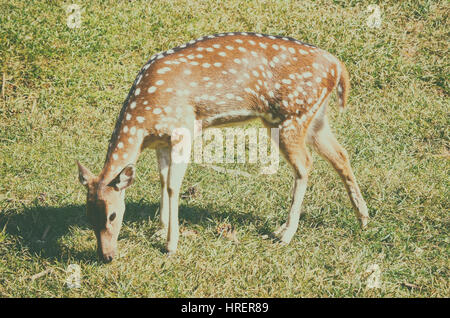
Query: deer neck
(124, 147)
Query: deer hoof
(363, 221)
(284, 234)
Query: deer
(219, 80)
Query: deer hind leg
(163, 155)
(323, 140)
(293, 147)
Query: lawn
(62, 89)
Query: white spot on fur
(163, 70)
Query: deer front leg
(163, 155)
(179, 157)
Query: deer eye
(112, 216)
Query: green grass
(62, 89)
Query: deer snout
(106, 248)
(108, 257)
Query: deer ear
(124, 179)
(84, 175)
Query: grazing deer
(220, 79)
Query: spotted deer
(221, 79)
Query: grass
(62, 89)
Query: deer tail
(343, 86)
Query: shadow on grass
(39, 229)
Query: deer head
(105, 207)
